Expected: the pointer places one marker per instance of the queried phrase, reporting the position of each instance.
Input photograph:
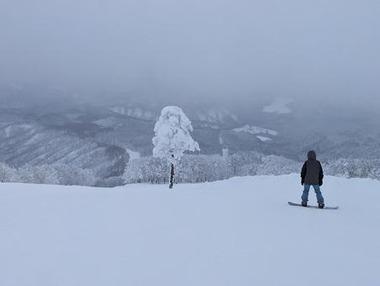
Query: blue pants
(317, 190)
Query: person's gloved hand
(320, 182)
(302, 181)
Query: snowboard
(314, 207)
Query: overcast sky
(309, 48)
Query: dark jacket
(312, 172)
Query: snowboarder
(312, 175)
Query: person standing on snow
(312, 175)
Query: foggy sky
(311, 49)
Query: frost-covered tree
(172, 137)
(354, 168)
(7, 174)
(203, 168)
(43, 174)
(146, 170)
(277, 165)
(69, 175)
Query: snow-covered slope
(235, 232)
(135, 112)
(254, 130)
(258, 131)
(35, 130)
(36, 145)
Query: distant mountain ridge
(103, 136)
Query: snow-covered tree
(172, 137)
(277, 165)
(7, 174)
(43, 174)
(69, 175)
(146, 170)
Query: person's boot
(321, 205)
(304, 204)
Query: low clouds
(228, 49)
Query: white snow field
(235, 232)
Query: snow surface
(134, 112)
(255, 130)
(216, 116)
(264, 139)
(235, 232)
